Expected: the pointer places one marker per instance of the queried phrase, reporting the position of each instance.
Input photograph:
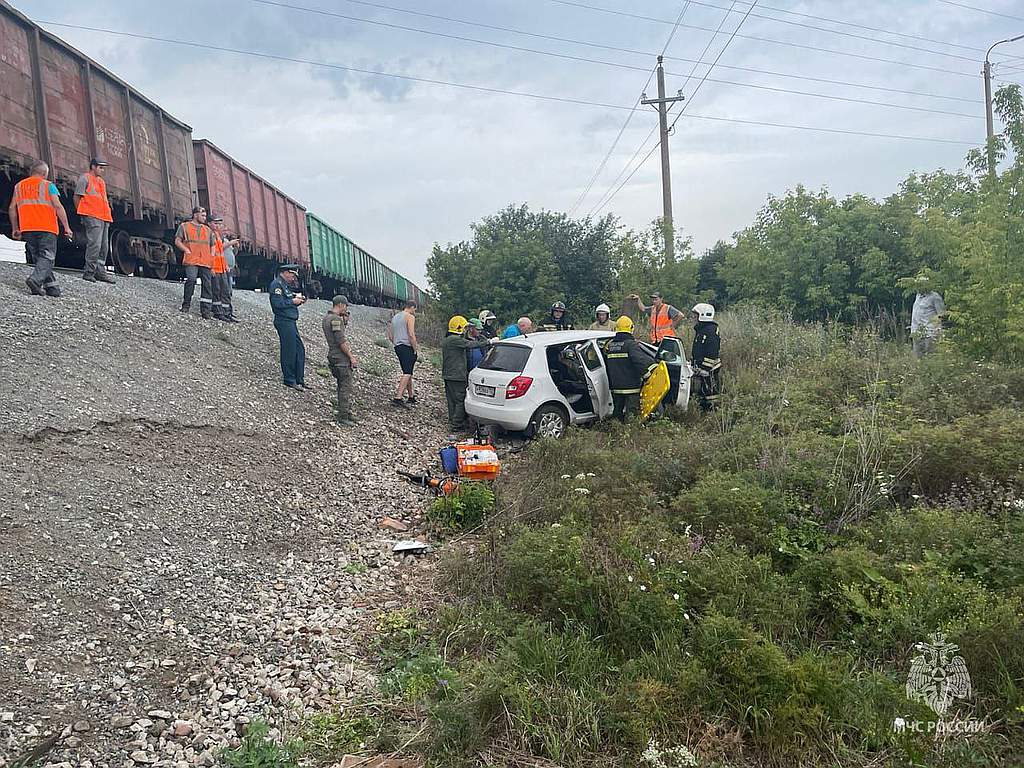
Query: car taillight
(518, 387)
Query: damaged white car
(543, 382)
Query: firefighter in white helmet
(604, 321)
(706, 356)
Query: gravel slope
(186, 545)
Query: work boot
(184, 308)
(105, 277)
(34, 287)
(53, 291)
(89, 277)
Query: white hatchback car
(543, 382)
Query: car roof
(548, 338)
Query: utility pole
(663, 105)
(990, 127)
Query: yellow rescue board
(654, 390)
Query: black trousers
(627, 406)
(293, 351)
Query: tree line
(817, 257)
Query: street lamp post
(990, 127)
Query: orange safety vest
(220, 264)
(661, 324)
(35, 206)
(197, 238)
(94, 202)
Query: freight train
(58, 105)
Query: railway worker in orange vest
(222, 309)
(195, 241)
(93, 208)
(37, 217)
(664, 317)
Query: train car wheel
(125, 261)
(158, 270)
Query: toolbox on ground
(477, 462)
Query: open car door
(670, 352)
(592, 363)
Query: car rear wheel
(549, 421)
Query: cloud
(399, 165)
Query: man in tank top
(402, 333)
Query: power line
(693, 94)
(587, 44)
(583, 59)
(804, 25)
(982, 10)
(629, 119)
(697, 62)
(864, 57)
(855, 25)
(849, 99)
(484, 25)
(466, 86)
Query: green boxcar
(331, 251)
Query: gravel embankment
(186, 545)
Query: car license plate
(484, 391)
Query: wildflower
(1018, 503)
(734, 489)
(591, 474)
(582, 491)
(686, 616)
(581, 476)
(650, 560)
(556, 525)
(675, 596)
(643, 588)
(566, 477)
(629, 579)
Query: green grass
(749, 585)
(375, 366)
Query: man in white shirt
(926, 318)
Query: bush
(466, 508)
(257, 750)
(751, 585)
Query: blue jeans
(293, 351)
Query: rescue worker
(221, 272)
(340, 358)
(37, 217)
(664, 317)
(195, 241)
(521, 328)
(627, 367)
(490, 323)
(285, 301)
(604, 320)
(475, 331)
(93, 208)
(926, 317)
(455, 369)
(705, 356)
(558, 319)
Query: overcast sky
(400, 165)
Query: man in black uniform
(285, 301)
(704, 355)
(340, 358)
(627, 368)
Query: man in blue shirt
(285, 301)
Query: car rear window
(510, 358)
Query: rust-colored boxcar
(267, 220)
(59, 106)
